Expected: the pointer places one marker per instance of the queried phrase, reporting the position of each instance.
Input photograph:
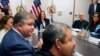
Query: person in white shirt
(5, 24)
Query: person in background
(57, 41)
(15, 41)
(5, 10)
(10, 12)
(5, 24)
(96, 32)
(1, 15)
(94, 22)
(41, 23)
(81, 23)
(93, 7)
(42, 20)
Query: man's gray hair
(20, 16)
(52, 32)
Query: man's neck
(54, 51)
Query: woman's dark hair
(92, 22)
(5, 10)
(4, 20)
(39, 17)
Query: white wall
(62, 6)
(14, 3)
(82, 6)
(66, 6)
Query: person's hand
(40, 42)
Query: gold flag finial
(52, 8)
(20, 7)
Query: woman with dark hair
(42, 20)
(41, 23)
(93, 7)
(5, 24)
(94, 22)
(96, 32)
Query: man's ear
(19, 27)
(58, 43)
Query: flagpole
(52, 11)
(52, 18)
(74, 10)
(20, 7)
(21, 2)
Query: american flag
(5, 7)
(5, 3)
(36, 8)
(1, 6)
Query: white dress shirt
(95, 6)
(2, 33)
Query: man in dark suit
(81, 23)
(14, 42)
(94, 7)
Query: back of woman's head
(4, 21)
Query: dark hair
(92, 22)
(4, 20)
(5, 10)
(20, 16)
(39, 17)
(52, 32)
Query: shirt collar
(18, 33)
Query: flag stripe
(33, 13)
(39, 9)
(1, 6)
(33, 10)
(36, 8)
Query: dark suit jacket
(13, 44)
(91, 9)
(39, 22)
(80, 24)
(44, 52)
